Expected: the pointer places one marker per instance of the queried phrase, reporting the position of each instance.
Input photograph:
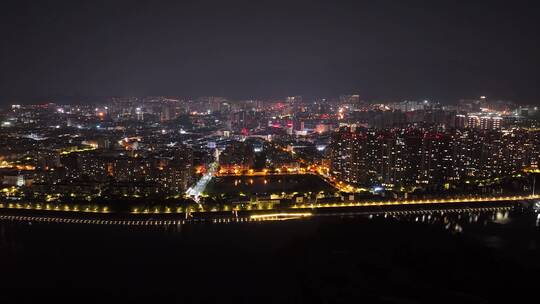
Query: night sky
(442, 50)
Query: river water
(475, 257)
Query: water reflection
(454, 220)
(457, 220)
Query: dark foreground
(468, 258)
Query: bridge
(225, 218)
(168, 216)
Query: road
(486, 199)
(28, 208)
(196, 190)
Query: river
(473, 257)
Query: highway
(196, 190)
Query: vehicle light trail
(196, 190)
(280, 215)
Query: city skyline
(300, 151)
(306, 99)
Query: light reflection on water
(453, 220)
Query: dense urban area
(171, 154)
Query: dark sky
(442, 50)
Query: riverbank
(241, 216)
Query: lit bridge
(230, 218)
(165, 217)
